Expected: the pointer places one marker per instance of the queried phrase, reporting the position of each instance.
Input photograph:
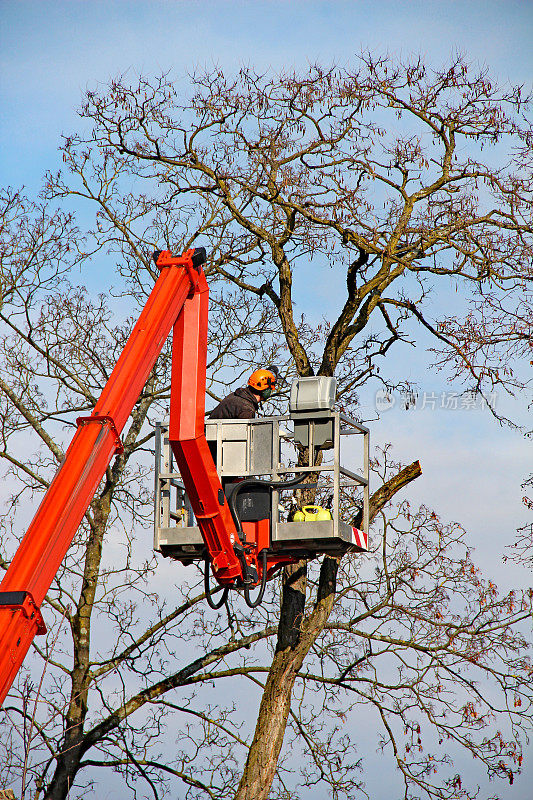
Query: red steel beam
(187, 436)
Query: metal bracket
(164, 258)
(193, 277)
(191, 260)
(23, 601)
(104, 419)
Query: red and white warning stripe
(360, 538)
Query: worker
(243, 403)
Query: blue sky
(50, 52)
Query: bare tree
(385, 174)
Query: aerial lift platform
(266, 448)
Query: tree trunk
(67, 766)
(264, 753)
(296, 635)
(68, 760)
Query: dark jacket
(240, 404)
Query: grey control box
(316, 393)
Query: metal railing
(261, 448)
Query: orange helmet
(263, 381)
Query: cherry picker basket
(266, 448)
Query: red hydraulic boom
(179, 299)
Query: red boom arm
(187, 436)
(179, 298)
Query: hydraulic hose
(264, 553)
(259, 599)
(207, 588)
(232, 502)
